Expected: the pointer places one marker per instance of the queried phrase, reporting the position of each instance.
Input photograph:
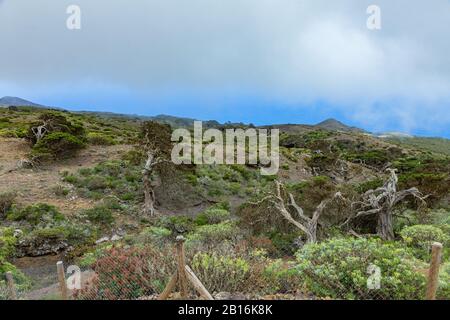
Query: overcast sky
(260, 61)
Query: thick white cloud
(291, 51)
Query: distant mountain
(335, 125)
(175, 122)
(17, 102)
(183, 122)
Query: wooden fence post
(197, 284)
(62, 279)
(169, 287)
(181, 265)
(433, 273)
(11, 286)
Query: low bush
(40, 213)
(118, 179)
(100, 139)
(153, 235)
(212, 216)
(57, 145)
(443, 291)
(221, 273)
(21, 281)
(214, 234)
(7, 242)
(281, 277)
(177, 224)
(421, 237)
(369, 185)
(60, 190)
(100, 214)
(338, 268)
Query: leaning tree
(381, 203)
(308, 225)
(156, 143)
(49, 122)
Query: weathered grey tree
(40, 130)
(308, 225)
(382, 201)
(156, 142)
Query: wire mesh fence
(145, 272)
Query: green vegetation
(99, 214)
(40, 213)
(116, 178)
(421, 237)
(235, 242)
(100, 139)
(436, 145)
(57, 145)
(221, 273)
(338, 268)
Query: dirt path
(36, 185)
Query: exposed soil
(36, 185)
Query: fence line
(184, 276)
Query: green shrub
(36, 214)
(443, 291)
(75, 234)
(89, 258)
(369, 185)
(284, 242)
(60, 190)
(71, 178)
(211, 235)
(177, 224)
(212, 216)
(100, 139)
(57, 145)
(221, 273)
(113, 178)
(100, 214)
(21, 281)
(152, 235)
(281, 276)
(96, 183)
(375, 157)
(338, 268)
(55, 122)
(7, 242)
(422, 237)
(54, 233)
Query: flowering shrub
(338, 268)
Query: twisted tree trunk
(382, 201)
(308, 225)
(385, 226)
(149, 192)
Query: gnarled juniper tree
(382, 201)
(155, 140)
(308, 225)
